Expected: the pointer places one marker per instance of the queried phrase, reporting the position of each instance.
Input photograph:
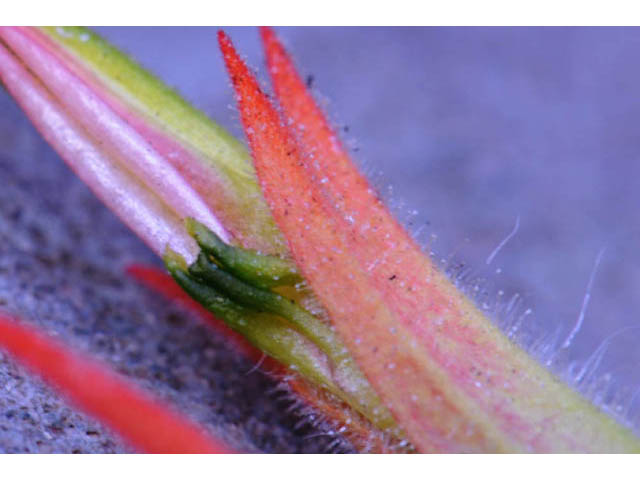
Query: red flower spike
(145, 423)
(451, 379)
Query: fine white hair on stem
(585, 301)
(257, 365)
(594, 360)
(504, 241)
(329, 433)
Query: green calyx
(235, 285)
(262, 271)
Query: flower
(450, 379)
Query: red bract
(452, 380)
(142, 421)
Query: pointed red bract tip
(231, 58)
(270, 41)
(147, 424)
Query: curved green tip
(173, 261)
(262, 271)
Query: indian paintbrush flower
(293, 249)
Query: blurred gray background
(463, 130)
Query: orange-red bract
(451, 379)
(146, 423)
